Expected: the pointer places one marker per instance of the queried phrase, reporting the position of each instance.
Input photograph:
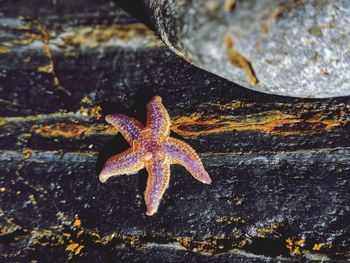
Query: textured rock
(280, 166)
(291, 48)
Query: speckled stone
(296, 48)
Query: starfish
(152, 148)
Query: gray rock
(292, 48)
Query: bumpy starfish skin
(152, 148)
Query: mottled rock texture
(297, 48)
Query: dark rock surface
(280, 166)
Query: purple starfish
(152, 148)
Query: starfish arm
(157, 183)
(181, 153)
(127, 162)
(158, 119)
(130, 128)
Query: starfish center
(152, 148)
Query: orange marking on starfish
(153, 149)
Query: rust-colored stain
(71, 130)
(275, 122)
(325, 72)
(60, 130)
(196, 124)
(229, 5)
(278, 12)
(237, 59)
(285, 7)
(27, 59)
(4, 50)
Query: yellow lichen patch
(86, 100)
(213, 244)
(275, 122)
(196, 245)
(72, 247)
(78, 250)
(27, 153)
(269, 230)
(46, 68)
(317, 247)
(296, 251)
(87, 108)
(2, 121)
(289, 243)
(28, 39)
(236, 104)
(68, 235)
(96, 236)
(184, 241)
(230, 220)
(96, 111)
(300, 242)
(3, 50)
(32, 199)
(295, 247)
(105, 35)
(132, 240)
(80, 233)
(75, 248)
(45, 237)
(76, 222)
(237, 59)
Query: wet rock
(291, 48)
